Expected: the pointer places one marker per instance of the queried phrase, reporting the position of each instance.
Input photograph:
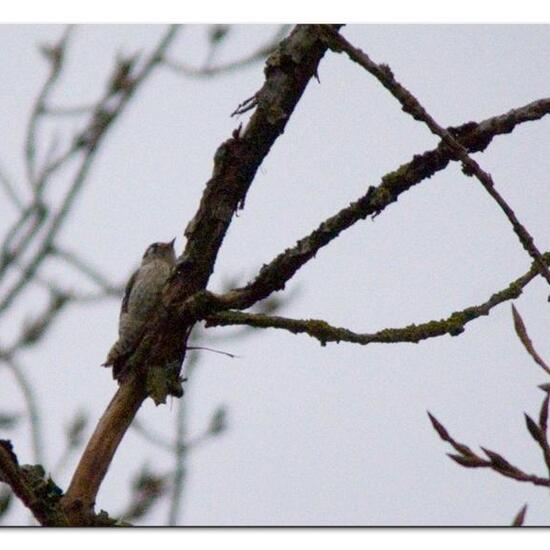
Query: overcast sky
(317, 436)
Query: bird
(141, 299)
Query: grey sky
(334, 435)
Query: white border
(282, 11)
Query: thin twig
(73, 259)
(35, 329)
(79, 179)
(10, 190)
(30, 221)
(207, 71)
(181, 450)
(57, 221)
(152, 437)
(56, 56)
(519, 519)
(58, 111)
(180, 470)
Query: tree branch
(56, 56)
(92, 273)
(28, 484)
(79, 500)
(274, 275)
(324, 332)
(412, 106)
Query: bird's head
(160, 251)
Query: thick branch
(288, 71)
(80, 497)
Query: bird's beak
(171, 243)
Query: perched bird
(141, 299)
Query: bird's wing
(127, 292)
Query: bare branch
(80, 497)
(324, 332)
(151, 437)
(147, 489)
(474, 136)
(88, 144)
(44, 249)
(236, 161)
(413, 107)
(10, 190)
(180, 469)
(56, 57)
(181, 450)
(73, 440)
(35, 329)
(30, 221)
(59, 111)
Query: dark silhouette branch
(324, 332)
(474, 136)
(412, 106)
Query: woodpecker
(141, 298)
